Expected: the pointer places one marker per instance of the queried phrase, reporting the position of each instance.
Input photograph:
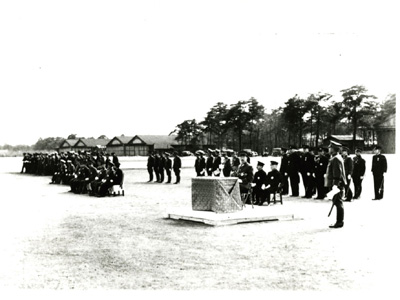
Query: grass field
(53, 239)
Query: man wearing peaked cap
(209, 163)
(273, 181)
(245, 173)
(168, 166)
(320, 164)
(260, 178)
(200, 163)
(177, 167)
(284, 171)
(306, 170)
(358, 173)
(335, 179)
(379, 168)
(348, 171)
(294, 162)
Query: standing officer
(115, 159)
(293, 168)
(348, 171)
(157, 166)
(150, 166)
(284, 172)
(379, 168)
(177, 167)
(306, 170)
(161, 166)
(209, 162)
(321, 163)
(260, 178)
(358, 173)
(336, 178)
(200, 163)
(216, 163)
(168, 166)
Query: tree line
(248, 125)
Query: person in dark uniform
(168, 166)
(200, 163)
(227, 170)
(293, 168)
(379, 168)
(320, 165)
(273, 182)
(161, 167)
(209, 163)
(216, 170)
(348, 171)
(150, 166)
(157, 166)
(284, 172)
(115, 159)
(358, 173)
(306, 170)
(260, 179)
(245, 173)
(235, 162)
(177, 167)
(336, 178)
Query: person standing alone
(379, 168)
(358, 173)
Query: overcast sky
(141, 67)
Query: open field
(57, 240)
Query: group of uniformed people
(158, 162)
(85, 172)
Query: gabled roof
(346, 137)
(122, 139)
(70, 142)
(93, 142)
(159, 141)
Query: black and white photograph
(207, 147)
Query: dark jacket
(348, 166)
(200, 164)
(294, 163)
(150, 161)
(320, 165)
(379, 164)
(227, 168)
(307, 163)
(274, 179)
(177, 163)
(284, 164)
(245, 173)
(168, 163)
(216, 163)
(209, 163)
(260, 178)
(359, 166)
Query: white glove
(96, 178)
(349, 176)
(111, 180)
(324, 175)
(202, 172)
(285, 174)
(263, 187)
(361, 177)
(308, 174)
(240, 180)
(253, 184)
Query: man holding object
(335, 179)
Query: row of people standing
(160, 164)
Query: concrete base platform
(247, 215)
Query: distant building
(119, 145)
(90, 144)
(345, 140)
(386, 134)
(143, 144)
(67, 145)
